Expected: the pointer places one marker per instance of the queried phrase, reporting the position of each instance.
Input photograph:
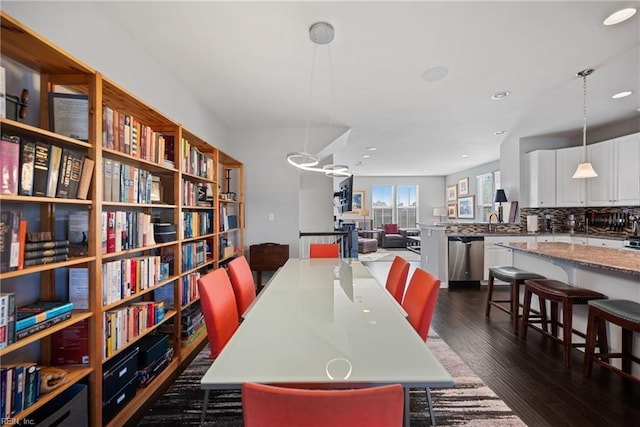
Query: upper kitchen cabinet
(542, 178)
(569, 191)
(617, 163)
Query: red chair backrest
(269, 406)
(420, 301)
(324, 250)
(242, 281)
(397, 278)
(219, 308)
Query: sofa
(391, 236)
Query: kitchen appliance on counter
(466, 259)
(632, 242)
(572, 224)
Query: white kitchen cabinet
(542, 178)
(605, 243)
(579, 240)
(569, 191)
(617, 163)
(544, 239)
(498, 255)
(562, 239)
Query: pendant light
(584, 170)
(320, 33)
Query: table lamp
(500, 197)
(440, 212)
(365, 213)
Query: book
(9, 240)
(70, 346)
(18, 396)
(45, 260)
(115, 181)
(9, 163)
(8, 379)
(107, 168)
(51, 244)
(55, 157)
(79, 287)
(77, 162)
(64, 175)
(31, 385)
(107, 127)
(7, 319)
(3, 93)
(22, 239)
(46, 253)
(40, 169)
(39, 236)
(27, 159)
(85, 178)
(30, 314)
(42, 325)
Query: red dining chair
(242, 281)
(324, 250)
(270, 406)
(420, 304)
(220, 314)
(397, 278)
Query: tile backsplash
(599, 221)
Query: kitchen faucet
(495, 227)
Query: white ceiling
(250, 62)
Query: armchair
(392, 237)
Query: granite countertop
(620, 260)
(505, 233)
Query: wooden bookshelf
(57, 69)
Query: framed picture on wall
(357, 201)
(466, 207)
(452, 193)
(463, 187)
(453, 210)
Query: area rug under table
(468, 402)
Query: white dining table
(325, 323)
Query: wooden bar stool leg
(602, 341)
(489, 294)
(554, 318)
(543, 313)
(525, 313)
(567, 330)
(515, 305)
(593, 328)
(627, 348)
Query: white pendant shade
(585, 170)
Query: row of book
(193, 255)
(195, 162)
(124, 230)
(196, 224)
(227, 221)
(19, 388)
(123, 324)
(17, 323)
(197, 193)
(33, 168)
(125, 183)
(190, 288)
(126, 277)
(20, 249)
(192, 324)
(124, 133)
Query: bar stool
(555, 292)
(515, 277)
(625, 314)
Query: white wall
(85, 31)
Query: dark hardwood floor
(529, 375)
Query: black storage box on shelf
(113, 405)
(152, 348)
(118, 372)
(68, 409)
(164, 232)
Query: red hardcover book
(10, 164)
(22, 239)
(111, 232)
(70, 346)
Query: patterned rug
(468, 403)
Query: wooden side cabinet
(267, 257)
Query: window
(404, 211)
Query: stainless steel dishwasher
(466, 258)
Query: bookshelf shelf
(161, 150)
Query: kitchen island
(614, 272)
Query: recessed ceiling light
(464, 156)
(622, 94)
(365, 156)
(619, 16)
(434, 74)
(501, 95)
(372, 148)
(500, 132)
